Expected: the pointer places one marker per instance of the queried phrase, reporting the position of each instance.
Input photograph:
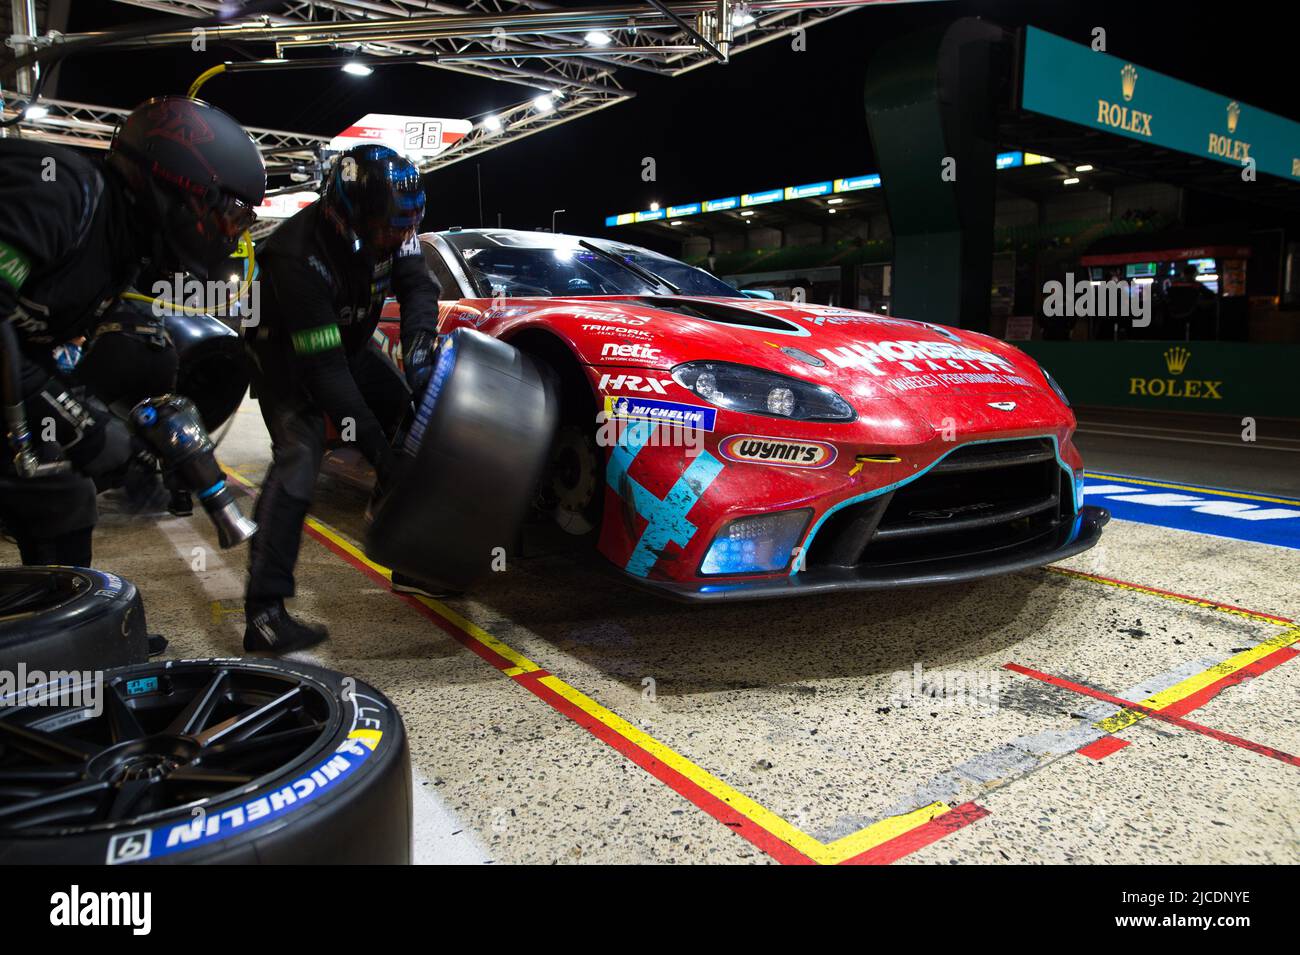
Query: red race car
(717, 446)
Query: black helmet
(194, 177)
(375, 200)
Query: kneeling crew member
(178, 188)
(325, 274)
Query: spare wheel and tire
(68, 618)
(206, 761)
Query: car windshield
(538, 264)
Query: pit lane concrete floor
(556, 716)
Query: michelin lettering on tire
(145, 844)
(333, 785)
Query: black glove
(418, 361)
(93, 439)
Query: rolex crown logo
(1176, 359)
(1128, 77)
(1234, 113)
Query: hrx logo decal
(783, 452)
(633, 383)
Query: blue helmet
(375, 199)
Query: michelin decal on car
(664, 412)
(783, 452)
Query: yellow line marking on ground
(441, 609)
(1124, 718)
(888, 828)
(789, 834)
(220, 612)
(830, 853)
(1165, 595)
(1190, 487)
(1194, 684)
(844, 848)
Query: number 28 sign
(422, 136)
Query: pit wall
(1201, 376)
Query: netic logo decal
(783, 452)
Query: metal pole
(23, 14)
(554, 213)
(23, 17)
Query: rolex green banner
(1076, 83)
(1224, 377)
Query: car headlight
(1060, 392)
(755, 391)
(753, 545)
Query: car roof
(532, 238)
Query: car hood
(863, 356)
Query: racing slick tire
(468, 465)
(213, 370)
(68, 618)
(208, 762)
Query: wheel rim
(25, 592)
(573, 483)
(166, 739)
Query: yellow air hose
(203, 78)
(250, 268)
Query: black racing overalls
(313, 358)
(66, 253)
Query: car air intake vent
(978, 499)
(717, 312)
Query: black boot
(270, 629)
(180, 504)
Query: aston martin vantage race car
(716, 446)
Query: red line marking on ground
(532, 675)
(1100, 749)
(675, 781)
(957, 818)
(1198, 699)
(1156, 714)
(1065, 571)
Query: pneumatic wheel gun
(171, 427)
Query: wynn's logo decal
(783, 452)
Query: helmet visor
(230, 217)
(211, 232)
(384, 236)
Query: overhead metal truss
(88, 126)
(531, 44)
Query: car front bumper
(1063, 541)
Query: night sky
(772, 117)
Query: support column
(930, 107)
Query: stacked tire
(205, 762)
(68, 618)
